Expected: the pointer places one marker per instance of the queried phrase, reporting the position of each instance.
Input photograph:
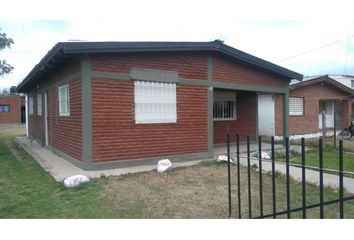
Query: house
(12, 109)
(307, 100)
(105, 105)
(346, 80)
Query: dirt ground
(12, 129)
(201, 192)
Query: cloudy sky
(310, 46)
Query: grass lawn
(330, 159)
(26, 191)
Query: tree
(5, 42)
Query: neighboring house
(346, 80)
(12, 108)
(114, 104)
(307, 100)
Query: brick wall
(228, 71)
(64, 133)
(347, 112)
(245, 125)
(117, 137)
(14, 116)
(278, 108)
(188, 65)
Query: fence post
(303, 178)
(249, 179)
(341, 190)
(238, 176)
(321, 175)
(273, 178)
(287, 177)
(228, 171)
(260, 176)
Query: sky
(307, 45)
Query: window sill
(225, 119)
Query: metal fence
(274, 213)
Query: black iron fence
(275, 212)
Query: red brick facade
(115, 136)
(64, 132)
(188, 65)
(228, 71)
(278, 108)
(312, 94)
(245, 125)
(14, 102)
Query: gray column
(87, 153)
(210, 107)
(285, 97)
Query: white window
(224, 106)
(296, 106)
(64, 103)
(155, 102)
(30, 105)
(352, 83)
(39, 104)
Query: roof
(324, 78)
(62, 52)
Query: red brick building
(12, 108)
(308, 99)
(114, 104)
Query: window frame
(3, 108)
(148, 101)
(225, 96)
(65, 101)
(294, 113)
(39, 104)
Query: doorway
(266, 115)
(328, 108)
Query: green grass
(330, 159)
(27, 191)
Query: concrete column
(210, 107)
(285, 98)
(87, 148)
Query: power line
(349, 43)
(318, 48)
